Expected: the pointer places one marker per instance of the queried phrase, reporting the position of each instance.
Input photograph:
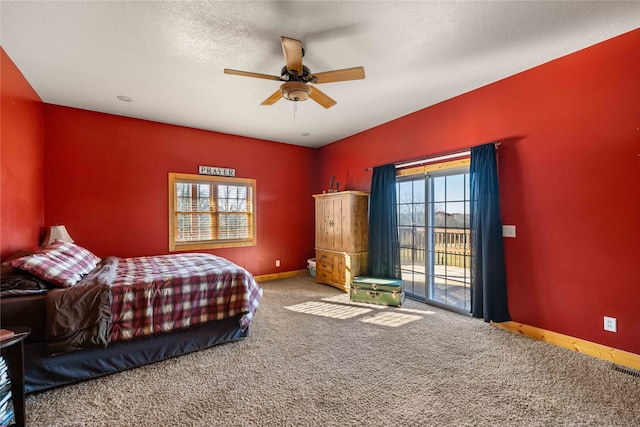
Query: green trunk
(377, 291)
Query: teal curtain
(488, 274)
(384, 246)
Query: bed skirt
(44, 372)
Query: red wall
(569, 180)
(107, 179)
(569, 174)
(21, 161)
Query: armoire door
(329, 225)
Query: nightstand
(13, 352)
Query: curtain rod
(435, 157)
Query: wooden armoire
(342, 237)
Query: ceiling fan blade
(321, 98)
(292, 50)
(354, 73)
(250, 74)
(273, 98)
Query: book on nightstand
(7, 418)
(5, 388)
(4, 407)
(6, 411)
(4, 377)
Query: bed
(91, 317)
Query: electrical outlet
(610, 324)
(277, 263)
(508, 231)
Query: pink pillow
(61, 263)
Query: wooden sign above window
(214, 170)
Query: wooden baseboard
(619, 357)
(274, 276)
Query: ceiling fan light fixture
(295, 91)
(296, 76)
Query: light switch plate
(508, 231)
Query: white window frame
(446, 168)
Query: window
(211, 212)
(434, 230)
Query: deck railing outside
(452, 246)
(452, 259)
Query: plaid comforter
(163, 293)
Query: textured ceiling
(169, 56)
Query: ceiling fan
(296, 77)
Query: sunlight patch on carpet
(328, 310)
(393, 319)
(413, 310)
(345, 299)
(346, 310)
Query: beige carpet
(314, 359)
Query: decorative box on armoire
(342, 237)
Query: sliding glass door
(433, 227)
